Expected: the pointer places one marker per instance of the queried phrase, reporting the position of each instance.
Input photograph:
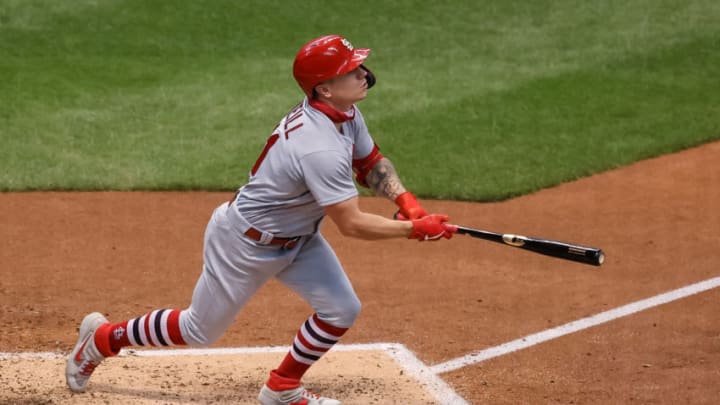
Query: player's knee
(344, 314)
(195, 333)
(352, 310)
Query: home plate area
(355, 374)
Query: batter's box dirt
(367, 377)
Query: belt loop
(291, 243)
(265, 238)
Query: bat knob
(601, 257)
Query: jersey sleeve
(364, 143)
(328, 176)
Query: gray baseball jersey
(305, 165)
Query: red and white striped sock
(157, 328)
(314, 339)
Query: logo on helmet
(347, 44)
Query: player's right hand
(432, 227)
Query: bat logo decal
(514, 240)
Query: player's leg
(227, 281)
(216, 301)
(317, 276)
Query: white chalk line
(574, 326)
(405, 358)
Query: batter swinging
(270, 229)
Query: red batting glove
(409, 206)
(432, 227)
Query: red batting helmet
(327, 57)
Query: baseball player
(270, 229)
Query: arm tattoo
(384, 180)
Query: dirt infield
(63, 255)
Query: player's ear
(323, 90)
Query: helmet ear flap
(370, 76)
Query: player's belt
(254, 234)
(287, 243)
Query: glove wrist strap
(407, 201)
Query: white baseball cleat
(295, 396)
(85, 356)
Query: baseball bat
(561, 250)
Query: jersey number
(292, 116)
(270, 142)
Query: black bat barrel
(562, 250)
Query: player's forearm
(384, 180)
(372, 227)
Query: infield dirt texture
(66, 254)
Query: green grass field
(476, 100)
